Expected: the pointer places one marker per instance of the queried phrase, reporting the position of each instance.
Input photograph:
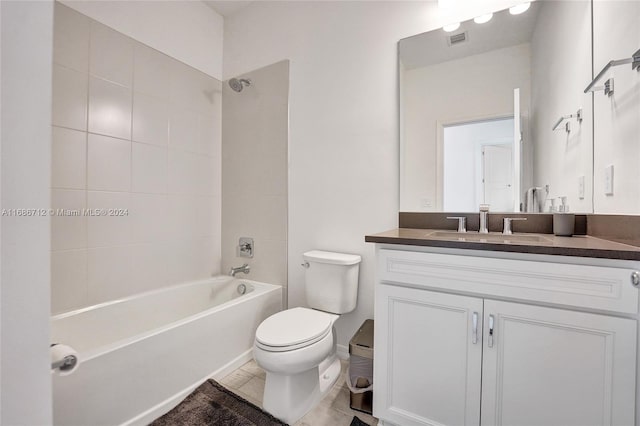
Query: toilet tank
(331, 281)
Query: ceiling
(503, 30)
(227, 8)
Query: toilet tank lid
(331, 257)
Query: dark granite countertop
(549, 244)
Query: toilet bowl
(297, 347)
(300, 368)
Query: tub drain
(242, 288)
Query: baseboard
(168, 404)
(342, 351)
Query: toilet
(297, 347)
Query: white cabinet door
(545, 366)
(426, 364)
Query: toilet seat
(293, 329)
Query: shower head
(238, 84)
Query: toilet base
(290, 397)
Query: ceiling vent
(457, 38)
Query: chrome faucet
(484, 219)
(244, 268)
(506, 230)
(462, 223)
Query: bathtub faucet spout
(244, 268)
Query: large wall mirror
(496, 112)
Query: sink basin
(490, 238)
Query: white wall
(343, 138)
(189, 31)
(617, 118)
(25, 391)
(561, 60)
(471, 88)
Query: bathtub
(141, 355)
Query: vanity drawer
(584, 286)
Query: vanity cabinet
(547, 366)
(427, 370)
(452, 349)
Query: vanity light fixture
(451, 27)
(482, 19)
(519, 8)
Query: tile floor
(333, 410)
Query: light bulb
(519, 8)
(483, 18)
(451, 27)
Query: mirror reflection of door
(478, 165)
(497, 177)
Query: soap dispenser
(564, 222)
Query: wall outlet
(581, 187)
(426, 203)
(608, 180)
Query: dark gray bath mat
(357, 422)
(213, 404)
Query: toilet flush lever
(305, 265)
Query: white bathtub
(141, 355)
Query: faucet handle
(462, 222)
(506, 229)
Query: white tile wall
(109, 273)
(181, 217)
(149, 217)
(183, 133)
(111, 55)
(68, 231)
(71, 40)
(109, 163)
(183, 173)
(150, 119)
(255, 172)
(151, 72)
(149, 169)
(109, 108)
(69, 271)
(149, 266)
(108, 230)
(139, 131)
(69, 159)
(69, 98)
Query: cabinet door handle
(490, 339)
(474, 335)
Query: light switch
(608, 180)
